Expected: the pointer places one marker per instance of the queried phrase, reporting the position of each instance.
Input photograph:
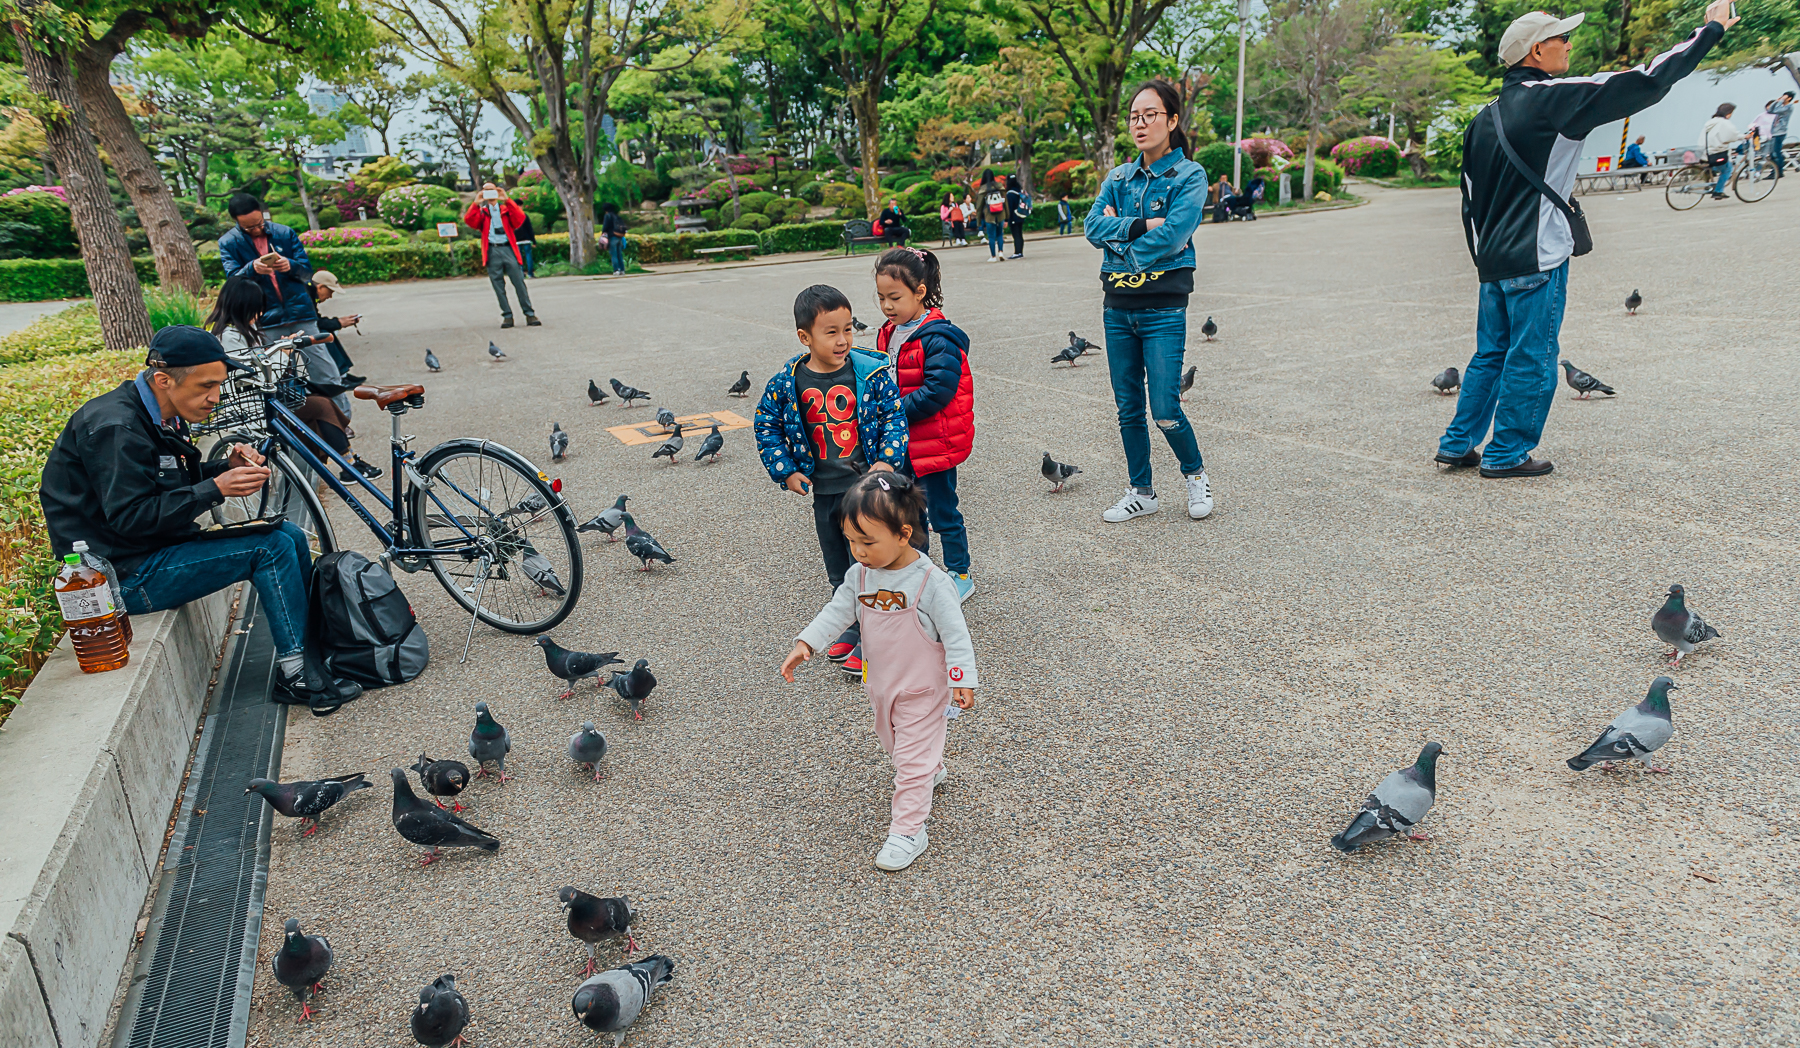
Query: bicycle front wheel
(288, 494)
(1685, 189)
(1754, 180)
(510, 556)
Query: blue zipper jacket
(880, 424)
(237, 254)
(1174, 190)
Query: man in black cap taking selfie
(125, 477)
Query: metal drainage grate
(192, 986)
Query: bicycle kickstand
(480, 587)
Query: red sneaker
(853, 664)
(845, 644)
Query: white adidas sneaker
(899, 852)
(1132, 505)
(1199, 496)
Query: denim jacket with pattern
(1173, 189)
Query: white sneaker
(993, 258)
(938, 779)
(899, 852)
(1132, 505)
(1199, 496)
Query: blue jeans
(996, 240)
(279, 564)
(1776, 142)
(945, 518)
(528, 248)
(1511, 380)
(1065, 226)
(615, 246)
(1144, 347)
(1724, 175)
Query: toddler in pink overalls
(917, 653)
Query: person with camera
(496, 217)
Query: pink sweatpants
(911, 726)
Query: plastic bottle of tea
(93, 622)
(104, 567)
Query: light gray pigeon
(431, 361)
(559, 442)
(712, 445)
(1396, 806)
(665, 418)
(1634, 734)
(1447, 381)
(627, 394)
(489, 742)
(1187, 382)
(540, 571)
(442, 1014)
(588, 746)
(671, 447)
(1583, 383)
(1058, 473)
(307, 801)
(608, 519)
(530, 505)
(495, 351)
(612, 1000)
(1678, 626)
(301, 964)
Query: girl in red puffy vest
(931, 367)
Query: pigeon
(1447, 381)
(592, 918)
(608, 519)
(307, 801)
(495, 351)
(1069, 354)
(665, 418)
(1634, 734)
(1632, 302)
(559, 442)
(431, 361)
(1678, 626)
(442, 1014)
(1187, 383)
(540, 571)
(627, 394)
(430, 826)
(634, 687)
(596, 395)
(489, 742)
(1058, 473)
(588, 746)
(642, 545)
(712, 445)
(1209, 329)
(1396, 806)
(671, 447)
(611, 1001)
(858, 325)
(301, 964)
(530, 505)
(740, 388)
(572, 666)
(445, 778)
(1583, 383)
(1082, 344)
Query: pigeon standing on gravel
(611, 1001)
(1082, 344)
(1209, 329)
(559, 442)
(740, 388)
(431, 361)
(1632, 302)
(596, 395)
(642, 545)
(671, 447)
(665, 418)
(445, 778)
(634, 687)
(489, 742)
(712, 445)
(301, 964)
(307, 801)
(495, 351)
(572, 666)
(1058, 473)
(1634, 734)
(442, 1014)
(627, 394)
(858, 325)
(1678, 626)
(1187, 383)
(1069, 353)
(539, 569)
(430, 826)
(592, 918)
(588, 746)
(1396, 806)
(608, 519)
(1447, 381)
(1582, 382)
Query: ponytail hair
(917, 269)
(1171, 102)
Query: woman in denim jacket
(1144, 219)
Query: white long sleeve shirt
(1719, 135)
(940, 614)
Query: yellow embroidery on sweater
(1130, 280)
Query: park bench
(750, 249)
(859, 231)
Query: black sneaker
(356, 380)
(362, 466)
(310, 688)
(1463, 461)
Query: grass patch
(598, 267)
(73, 330)
(168, 308)
(1341, 197)
(1406, 180)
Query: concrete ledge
(92, 763)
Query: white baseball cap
(1530, 29)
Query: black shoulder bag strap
(1578, 227)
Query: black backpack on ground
(361, 625)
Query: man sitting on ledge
(125, 477)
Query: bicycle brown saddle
(385, 395)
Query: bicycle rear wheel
(522, 571)
(288, 494)
(1754, 180)
(1686, 188)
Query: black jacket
(1512, 230)
(119, 480)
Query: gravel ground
(1176, 715)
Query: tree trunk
(559, 166)
(69, 139)
(1312, 149)
(865, 103)
(1024, 164)
(200, 182)
(737, 210)
(177, 264)
(1106, 127)
(312, 217)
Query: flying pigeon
(489, 742)
(445, 778)
(572, 666)
(611, 1001)
(307, 801)
(431, 361)
(592, 918)
(559, 442)
(495, 351)
(1632, 302)
(634, 687)
(740, 388)
(642, 545)
(608, 519)
(665, 418)
(442, 1014)
(301, 964)
(1069, 353)
(1187, 383)
(627, 394)
(596, 395)
(1678, 626)
(1209, 329)
(858, 325)
(1447, 381)
(1583, 383)
(1634, 734)
(671, 447)
(541, 571)
(1082, 344)
(1058, 473)
(588, 746)
(430, 826)
(712, 445)
(1396, 806)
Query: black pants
(896, 235)
(832, 544)
(956, 230)
(1018, 234)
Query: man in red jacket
(496, 218)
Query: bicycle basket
(240, 409)
(292, 392)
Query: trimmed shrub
(74, 330)
(673, 247)
(292, 219)
(752, 220)
(348, 198)
(539, 197)
(1043, 213)
(750, 203)
(1215, 157)
(1074, 177)
(383, 175)
(36, 225)
(803, 236)
(404, 207)
(350, 236)
(812, 192)
(435, 215)
(923, 198)
(906, 182)
(841, 195)
(1326, 175)
(1371, 155)
(711, 217)
(39, 279)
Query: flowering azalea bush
(350, 236)
(57, 191)
(747, 165)
(353, 201)
(1263, 151)
(1370, 155)
(405, 207)
(719, 190)
(1074, 177)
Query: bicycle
(1689, 185)
(1756, 176)
(516, 568)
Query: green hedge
(673, 247)
(802, 236)
(74, 330)
(1043, 213)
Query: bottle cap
(71, 558)
(80, 546)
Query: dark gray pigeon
(1632, 302)
(858, 325)
(530, 505)
(1069, 353)
(712, 445)
(559, 442)
(608, 519)
(740, 388)
(301, 964)
(665, 418)
(627, 394)
(572, 666)
(611, 1001)
(642, 545)
(1583, 383)
(1082, 344)
(1447, 381)
(442, 1014)
(588, 746)
(1678, 626)
(596, 395)
(541, 571)
(431, 361)
(445, 778)
(1187, 383)
(307, 801)
(1058, 473)
(1634, 734)
(671, 447)
(489, 742)
(592, 918)
(1209, 329)
(495, 351)
(430, 826)
(634, 687)
(1396, 806)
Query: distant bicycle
(1754, 179)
